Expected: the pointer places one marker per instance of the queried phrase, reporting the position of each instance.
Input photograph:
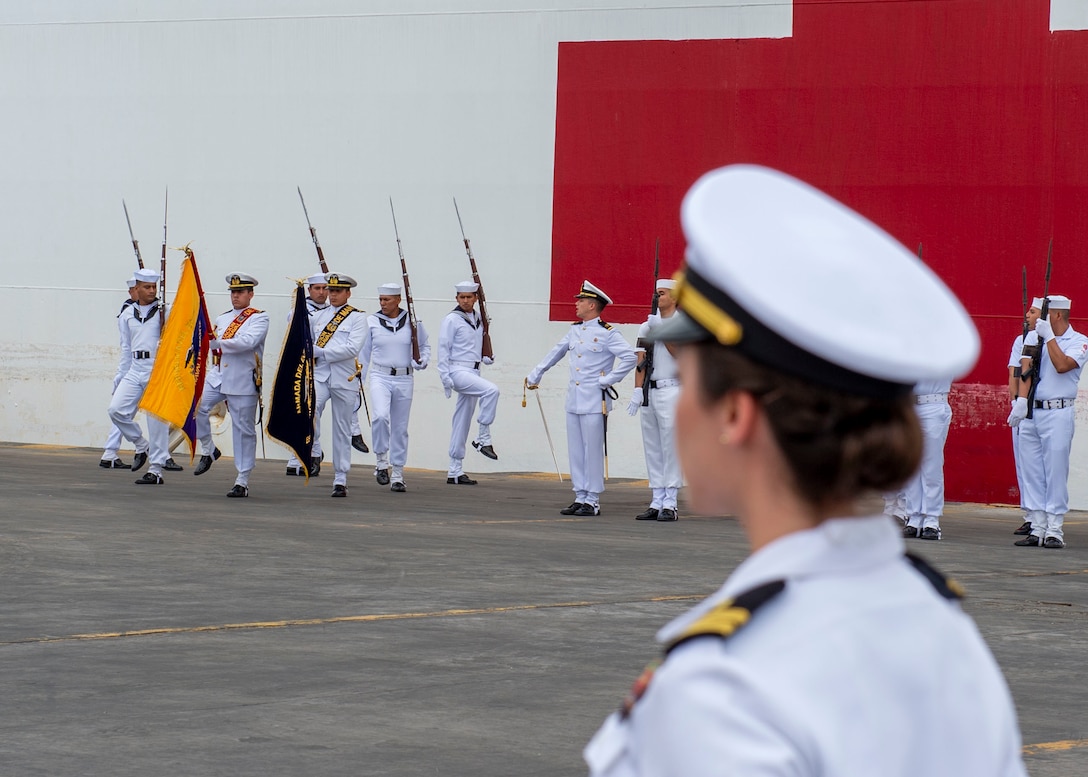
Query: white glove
(319, 352)
(1019, 411)
(603, 384)
(214, 345)
(531, 382)
(420, 365)
(487, 360)
(635, 403)
(1044, 330)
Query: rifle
(647, 366)
(313, 234)
(135, 243)
(407, 289)
(162, 263)
(1035, 352)
(487, 352)
(1024, 302)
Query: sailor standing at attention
(339, 333)
(387, 354)
(140, 330)
(598, 358)
(925, 491)
(110, 457)
(317, 300)
(237, 352)
(460, 354)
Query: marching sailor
(1015, 355)
(317, 300)
(387, 354)
(110, 457)
(598, 358)
(460, 354)
(234, 377)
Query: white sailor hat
(318, 279)
(1037, 303)
(389, 290)
(337, 280)
(1059, 302)
(589, 291)
(131, 281)
(146, 275)
(665, 283)
(467, 287)
(240, 281)
(770, 260)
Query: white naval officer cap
(770, 258)
(589, 291)
(131, 281)
(240, 281)
(337, 280)
(1059, 302)
(146, 275)
(389, 290)
(318, 279)
(467, 287)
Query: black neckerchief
(473, 322)
(392, 325)
(143, 319)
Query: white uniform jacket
(1054, 384)
(858, 667)
(598, 356)
(139, 338)
(335, 361)
(239, 353)
(460, 344)
(388, 345)
(664, 363)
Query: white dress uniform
(113, 440)
(823, 679)
(599, 357)
(139, 344)
(334, 364)
(658, 422)
(925, 491)
(387, 356)
(1014, 361)
(236, 354)
(315, 310)
(460, 349)
(1047, 438)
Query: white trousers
(1016, 461)
(1045, 442)
(390, 407)
(123, 407)
(315, 449)
(925, 491)
(470, 388)
(658, 421)
(585, 449)
(113, 444)
(243, 422)
(343, 408)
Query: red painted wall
(961, 125)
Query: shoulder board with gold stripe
(575, 323)
(602, 322)
(730, 616)
(946, 586)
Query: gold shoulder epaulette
(728, 617)
(604, 323)
(946, 586)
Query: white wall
(233, 104)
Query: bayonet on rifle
(313, 234)
(162, 263)
(486, 351)
(135, 243)
(408, 303)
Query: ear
(737, 414)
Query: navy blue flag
(291, 410)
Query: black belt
(141, 354)
(394, 370)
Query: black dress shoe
(359, 444)
(172, 466)
(399, 487)
(296, 471)
(1031, 541)
(929, 533)
(667, 514)
(382, 476)
(205, 462)
(486, 450)
(150, 479)
(910, 531)
(461, 480)
(1024, 530)
(138, 460)
(315, 467)
(588, 509)
(649, 514)
(1053, 543)
(339, 490)
(574, 507)
(238, 491)
(113, 464)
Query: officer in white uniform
(317, 300)
(237, 355)
(925, 491)
(460, 354)
(111, 459)
(387, 354)
(1047, 437)
(659, 416)
(598, 358)
(140, 332)
(827, 648)
(339, 333)
(1015, 355)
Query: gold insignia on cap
(725, 328)
(236, 280)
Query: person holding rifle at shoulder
(111, 459)
(387, 355)
(460, 354)
(237, 351)
(1044, 413)
(1031, 315)
(657, 387)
